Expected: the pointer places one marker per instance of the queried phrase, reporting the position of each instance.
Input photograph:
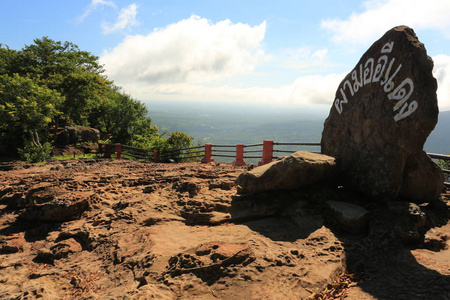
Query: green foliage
(179, 140)
(25, 106)
(169, 148)
(123, 117)
(445, 164)
(49, 81)
(32, 153)
(47, 57)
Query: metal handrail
(439, 156)
(182, 149)
(253, 151)
(253, 145)
(245, 156)
(297, 144)
(224, 146)
(233, 151)
(220, 155)
(284, 151)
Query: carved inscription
(382, 71)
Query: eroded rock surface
(382, 114)
(180, 231)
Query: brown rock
(299, 169)
(350, 217)
(77, 134)
(65, 248)
(383, 112)
(421, 178)
(56, 204)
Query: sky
(287, 53)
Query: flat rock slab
(299, 169)
(350, 217)
(383, 112)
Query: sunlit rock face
(383, 112)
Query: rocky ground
(117, 229)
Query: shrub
(32, 153)
(445, 164)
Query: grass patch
(79, 156)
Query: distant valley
(239, 123)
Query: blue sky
(282, 52)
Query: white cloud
(314, 90)
(193, 50)
(126, 18)
(442, 73)
(306, 58)
(320, 54)
(380, 16)
(190, 59)
(94, 5)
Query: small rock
(191, 187)
(45, 253)
(350, 217)
(409, 219)
(149, 189)
(65, 248)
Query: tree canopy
(49, 81)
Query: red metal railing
(239, 152)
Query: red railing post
(100, 148)
(267, 153)
(208, 154)
(155, 156)
(107, 151)
(239, 156)
(118, 150)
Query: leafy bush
(445, 164)
(167, 147)
(32, 153)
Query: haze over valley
(233, 123)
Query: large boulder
(297, 170)
(382, 114)
(71, 135)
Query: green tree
(25, 110)
(49, 80)
(46, 57)
(84, 93)
(8, 60)
(122, 116)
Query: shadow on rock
(380, 246)
(385, 258)
(278, 215)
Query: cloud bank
(192, 50)
(192, 59)
(380, 16)
(442, 73)
(195, 59)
